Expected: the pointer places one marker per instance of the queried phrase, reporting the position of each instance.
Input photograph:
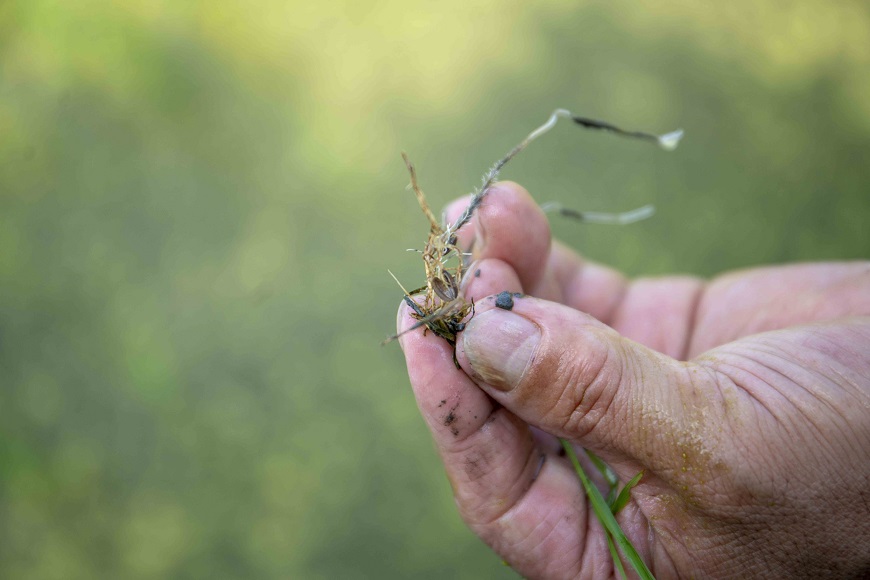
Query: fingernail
(499, 345)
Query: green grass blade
(623, 496)
(616, 560)
(605, 470)
(604, 515)
(608, 474)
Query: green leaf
(608, 474)
(605, 516)
(623, 497)
(616, 560)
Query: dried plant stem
(595, 217)
(442, 309)
(421, 197)
(667, 141)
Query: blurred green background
(199, 202)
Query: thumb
(567, 373)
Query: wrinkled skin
(745, 400)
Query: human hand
(755, 451)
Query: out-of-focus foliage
(199, 202)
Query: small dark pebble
(504, 301)
(477, 273)
(518, 294)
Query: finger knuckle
(582, 394)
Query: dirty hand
(745, 401)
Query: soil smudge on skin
(450, 420)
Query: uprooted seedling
(442, 309)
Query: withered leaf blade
(446, 291)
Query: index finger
(510, 490)
(511, 227)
